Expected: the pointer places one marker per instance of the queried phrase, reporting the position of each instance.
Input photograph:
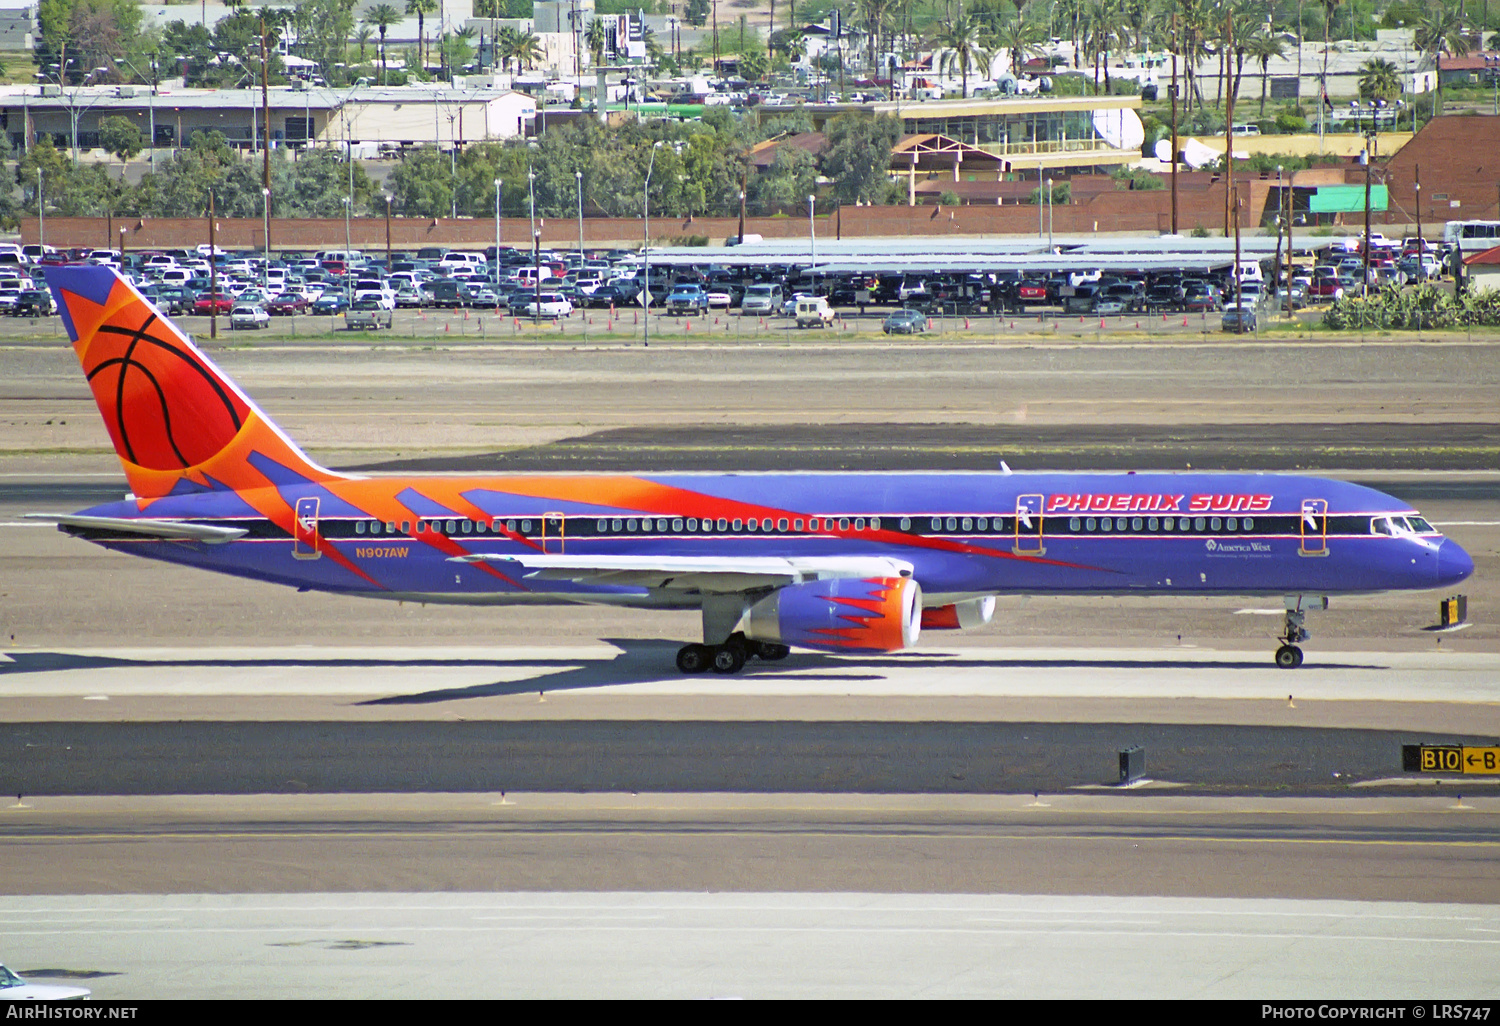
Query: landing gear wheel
(729, 659)
(1288, 657)
(768, 651)
(694, 658)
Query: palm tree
(524, 46)
(382, 16)
(1329, 6)
(961, 43)
(1262, 47)
(1379, 80)
(362, 37)
(596, 38)
(421, 8)
(1020, 37)
(1441, 31)
(874, 14)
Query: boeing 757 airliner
(835, 562)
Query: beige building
(369, 120)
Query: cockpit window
(1421, 526)
(1380, 525)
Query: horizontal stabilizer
(714, 574)
(166, 530)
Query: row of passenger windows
(1150, 525)
(1004, 526)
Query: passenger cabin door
(1314, 528)
(305, 544)
(1029, 525)
(552, 532)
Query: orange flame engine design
(877, 614)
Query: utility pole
(1421, 249)
(1174, 119)
(1229, 129)
(265, 99)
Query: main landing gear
(729, 657)
(1289, 656)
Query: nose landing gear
(1289, 656)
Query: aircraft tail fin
(177, 421)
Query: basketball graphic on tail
(165, 406)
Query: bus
(1484, 234)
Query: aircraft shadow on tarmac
(640, 661)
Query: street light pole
(531, 194)
(536, 253)
(578, 176)
(1049, 215)
(213, 270)
(348, 295)
(812, 236)
(265, 267)
(41, 216)
(498, 185)
(646, 242)
(388, 234)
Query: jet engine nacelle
(959, 616)
(844, 614)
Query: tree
(1262, 47)
(754, 66)
(696, 13)
(1019, 37)
(786, 184)
(1441, 32)
(961, 44)
(596, 38)
(118, 135)
(858, 158)
(382, 17)
(1379, 80)
(422, 8)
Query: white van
(1250, 271)
(761, 299)
(813, 312)
(347, 256)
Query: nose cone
(1453, 564)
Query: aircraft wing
(166, 530)
(714, 574)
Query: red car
(1325, 288)
(1032, 292)
(211, 302)
(291, 303)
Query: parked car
(905, 322)
(246, 316)
(34, 303)
(213, 302)
(548, 304)
(1239, 319)
(288, 303)
(330, 303)
(15, 988)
